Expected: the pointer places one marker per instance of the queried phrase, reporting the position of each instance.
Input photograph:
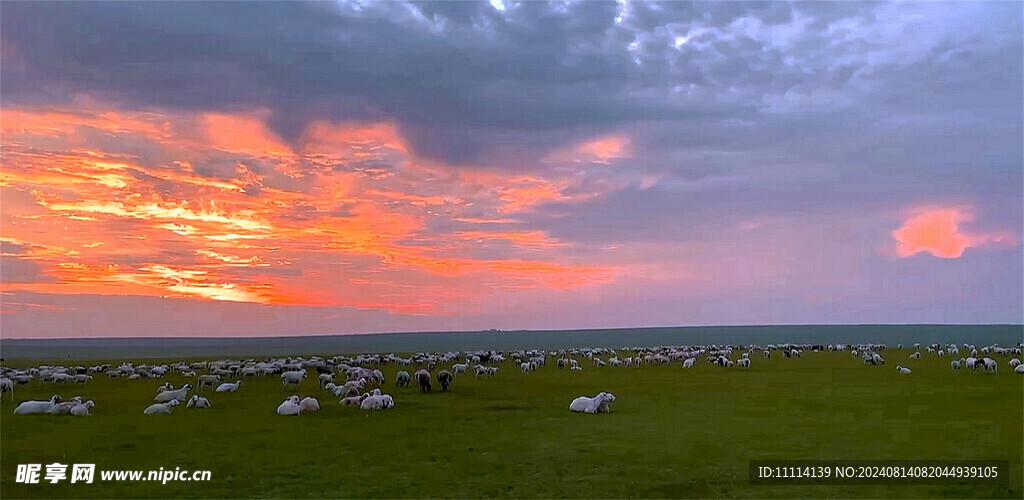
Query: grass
(673, 433)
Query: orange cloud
(938, 232)
(342, 219)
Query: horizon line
(498, 330)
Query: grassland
(673, 433)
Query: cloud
(938, 232)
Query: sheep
(767, 354)
(179, 394)
(7, 385)
(688, 363)
(991, 365)
(290, 406)
(445, 379)
(1014, 363)
(229, 387)
(197, 401)
(423, 380)
(403, 379)
(576, 368)
(325, 378)
(1019, 369)
(207, 381)
(161, 408)
(955, 364)
(308, 404)
(375, 402)
(459, 368)
(902, 369)
(292, 378)
(596, 404)
(166, 387)
(525, 367)
(82, 409)
(351, 400)
(35, 407)
(744, 362)
(916, 355)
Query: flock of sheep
(362, 371)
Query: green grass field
(673, 433)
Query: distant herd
(363, 371)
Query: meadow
(672, 433)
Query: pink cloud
(938, 232)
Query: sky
(235, 169)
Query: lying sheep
(179, 394)
(197, 401)
(36, 407)
(229, 387)
(290, 406)
(902, 369)
(161, 408)
(596, 404)
(308, 404)
(82, 409)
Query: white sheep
(1019, 369)
(82, 409)
(459, 368)
(744, 362)
(377, 402)
(596, 404)
(403, 379)
(688, 362)
(1014, 362)
(991, 365)
(161, 408)
(229, 387)
(325, 378)
(308, 404)
(36, 407)
(916, 355)
(292, 378)
(903, 369)
(290, 406)
(197, 401)
(7, 385)
(955, 364)
(179, 394)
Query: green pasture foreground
(673, 433)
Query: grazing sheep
(744, 362)
(423, 380)
(768, 354)
(916, 355)
(525, 367)
(688, 363)
(955, 364)
(82, 409)
(179, 394)
(596, 404)
(161, 408)
(403, 379)
(1014, 363)
(308, 404)
(197, 401)
(7, 385)
(444, 377)
(902, 369)
(991, 365)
